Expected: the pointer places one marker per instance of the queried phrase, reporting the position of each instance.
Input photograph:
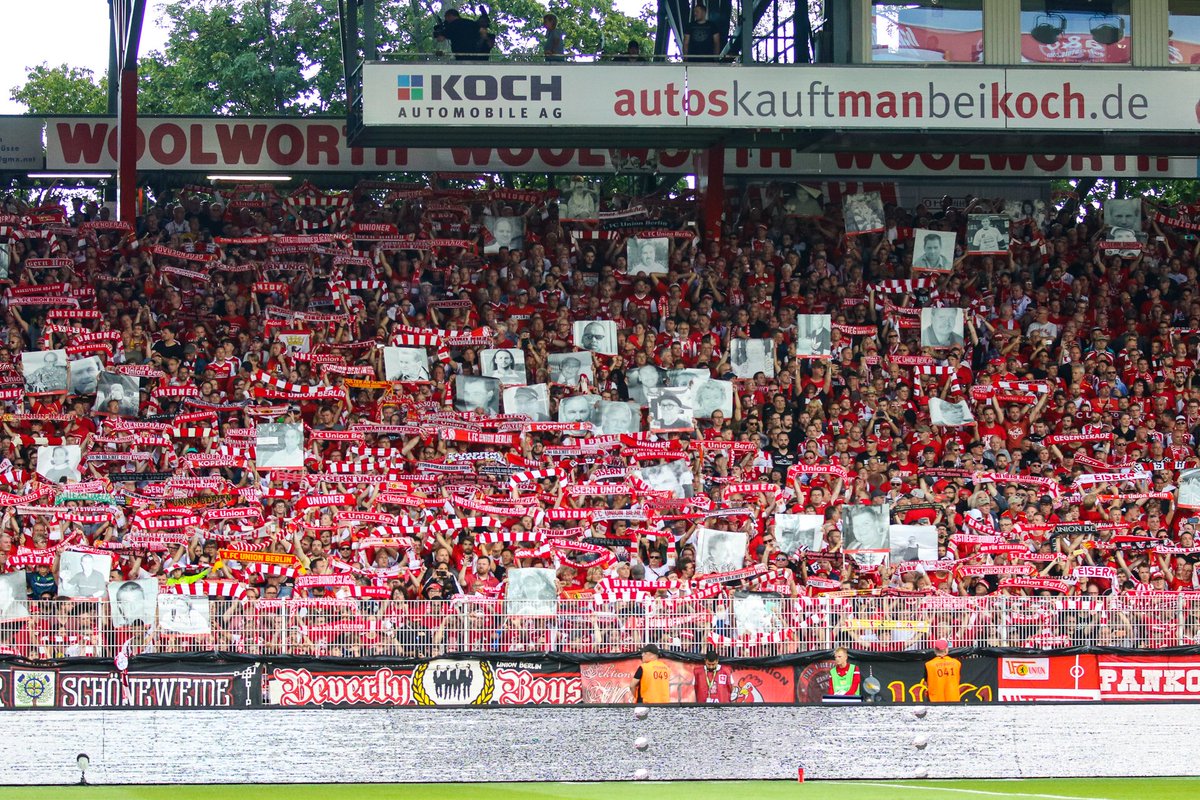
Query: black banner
(1074, 529)
(161, 685)
(900, 681)
(138, 477)
(617, 225)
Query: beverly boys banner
(466, 94)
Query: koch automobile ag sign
(697, 96)
(454, 96)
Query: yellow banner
(859, 624)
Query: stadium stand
(416, 419)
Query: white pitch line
(976, 791)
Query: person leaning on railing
(632, 54)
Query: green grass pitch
(1044, 788)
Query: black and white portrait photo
(84, 375)
(13, 602)
(814, 336)
(1188, 493)
(476, 393)
(865, 527)
(133, 602)
(405, 364)
(1123, 218)
(185, 614)
(5, 260)
(987, 233)
(579, 201)
(577, 408)
(117, 394)
(83, 574)
(506, 232)
(952, 415)
(869, 558)
(912, 543)
(1123, 212)
(712, 395)
(863, 212)
(597, 336)
(571, 369)
(748, 357)
(614, 417)
(670, 410)
(45, 371)
(59, 463)
(933, 251)
(279, 445)
(941, 327)
(757, 613)
(531, 592)
(640, 381)
(532, 401)
(674, 476)
(506, 365)
(719, 551)
(685, 378)
(795, 532)
(650, 256)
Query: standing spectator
(467, 36)
(552, 40)
(713, 680)
(943, 674)
(701, 40)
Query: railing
(746, 627)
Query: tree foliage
(283, 57)
(1160, 191)
(244, 57)
(62, 90)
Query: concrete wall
(576, 744)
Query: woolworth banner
(464, 94)
(318, 144)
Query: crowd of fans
(226, 314)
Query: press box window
(927, 31)
(1183, 20)
(1075, 31)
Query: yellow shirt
(942, 677)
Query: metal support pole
(127, 134)
(113, 67)
(747, 31)
(370, 42)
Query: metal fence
(746, 627)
